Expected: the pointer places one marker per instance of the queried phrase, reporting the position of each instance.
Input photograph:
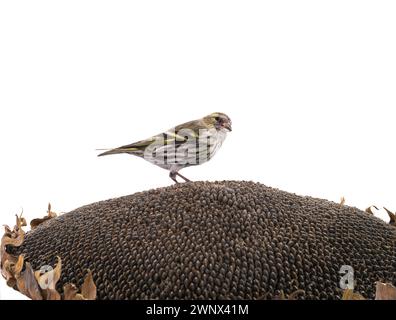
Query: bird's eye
(217, 118)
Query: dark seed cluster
(216, 240)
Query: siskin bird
(188, 144)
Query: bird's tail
(116, 151)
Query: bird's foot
(183, 177)
(173, 175)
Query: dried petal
(280, 296)
(88, 289)
(48, 280)
(20, 221)
(36, 222)
(392, 217)
(14, 237)
(350, 295)
(28, 285)
(19, 265)
(370, 210)
(51, 294)
(385, 291)
(8, 273)
(70, 292)
(293, 295)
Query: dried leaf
(385, 291)
(51, 294)
(350, 295)
(14, 241)
(20, 221)
(370, 210)
(11, 282)
(280, 296)
(392, 217)
(263, 296)
(70, 292)
(7, 231)
(36, 222)
(14, 237)
(48, 280)
(293, 295)
(342, 201)
(28, 285)
(19, 265)
(8, 273)
(88, 289)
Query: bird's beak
(228, 126)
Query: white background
(310, 87)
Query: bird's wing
(177, 136)
(190, 129)
(137, 148)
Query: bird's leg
(183, 177)
(172, 175)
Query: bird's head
(219, 121)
